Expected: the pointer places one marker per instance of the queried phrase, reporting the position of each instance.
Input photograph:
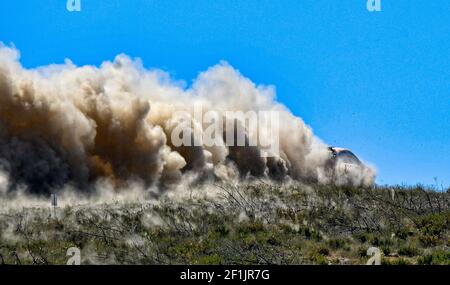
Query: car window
(347, 157)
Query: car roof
(340, 149)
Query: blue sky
(377, 83)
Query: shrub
(319, 259)
(409, 251)
(395, 261)
(439, 257)
(432, 227)
(337, 243)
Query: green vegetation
(253, 223)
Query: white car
(346, 168)
(343, 159)
(343, 155)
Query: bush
(432, 227)
(319, 259)
(439, 257)
(362, 251)
(395, 261)
(409, 251)
(337, 243)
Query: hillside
(254, 223)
